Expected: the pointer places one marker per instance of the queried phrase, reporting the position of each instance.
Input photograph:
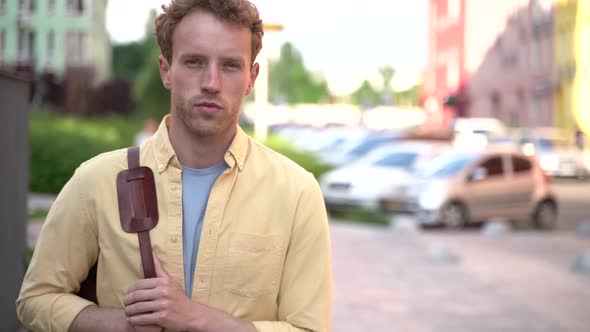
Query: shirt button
(161, 167)
(174, 239)
(173, 188)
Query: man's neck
(198, 151)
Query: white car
(362, 183)
(557, 155)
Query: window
(51, 7)
(536, 55)
(76, 47)
(521, 165)
(22, 6)
(2, 7)
(2, 45)
(453, 9)
(75, 7)
(26, 45)
(453, 74)
(493, 167)
(26, 6)
(50, 46)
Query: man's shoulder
(104, 164)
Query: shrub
(59, 144)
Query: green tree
(130, 58)
(291, 82)
(366, 95)
(409, 97)
(153, 99)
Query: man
(242, 242)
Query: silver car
(557, 155)
(461, 187)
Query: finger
(144, 284)
(160, 270)
(141, 296)
(144, 319)
(144, 307)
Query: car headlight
(433, 197)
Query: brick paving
(518, 282)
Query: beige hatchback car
(458, 187)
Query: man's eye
(232, 65)
(194, 62)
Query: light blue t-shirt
(196, 186)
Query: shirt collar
(235, 155)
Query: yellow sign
(272, 27)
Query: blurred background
(449, 138)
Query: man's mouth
(209, 107)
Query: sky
(345, 41)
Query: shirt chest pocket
(253, 265)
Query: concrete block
(583, 229)
(582, 263)
(441, 254)
(404, 224)
(496, 227)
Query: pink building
(504, 67)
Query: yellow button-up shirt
(264, 254)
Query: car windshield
(446, 165)
(396, 160)
(546, 144)
(369, 144)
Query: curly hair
(240, 12)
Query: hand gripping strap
(138, 206)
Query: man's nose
(211, 82)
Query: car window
(493, 167)
(521, 165)
(397, 160)
(445, 165)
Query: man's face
(210, 73)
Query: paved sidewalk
(519, 282)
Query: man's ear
(164, 71)
(253, 75)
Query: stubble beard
(202, 125)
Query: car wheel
(454, 215)
(545, 214)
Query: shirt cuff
(65, 309)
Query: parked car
(558, 156)
(476, 133)
(357, 147)
(361, 183)
(457, 188)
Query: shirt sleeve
(305, 296)
(66, 249)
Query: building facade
(53, 35)
(445, 77)
(572, 58)
(508, 66)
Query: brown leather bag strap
(139, 209)
(133, 157)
